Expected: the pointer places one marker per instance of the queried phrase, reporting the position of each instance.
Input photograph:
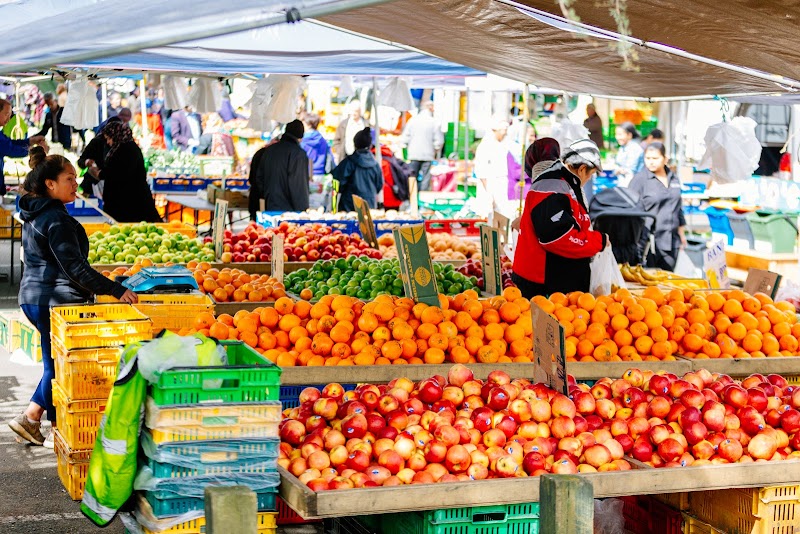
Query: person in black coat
(283, 173)
(62, 133)
(126, 194)
(57, 272)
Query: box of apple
(307, 242)
(459, 428)
(137, 242)
(474, 268)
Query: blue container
(165, 507)
(693, 188)
(207, 456)
(290, 394)
(719, 222)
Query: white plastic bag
(259, 106)
(685, 267)
(80, 111)
(608, 518)
(206, 95)
(567, 132)
(605, 273)
(732, 150)
(397, 95)
(176, 96)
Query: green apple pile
(133, 243)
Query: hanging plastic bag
(567, 132)
(80, 111)
(605, 273)
(206, 95)
(259, 106)
(397, 95)
(346, 88)
(176, 96)
(732, 150)
(283, 101)
(608, 518)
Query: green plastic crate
(181, 505)
(248, 377)
(500, 519)
(773, 232)
(30, 341)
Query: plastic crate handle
(488, 515)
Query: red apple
(459, 374)
(457, 459)
(762, 447)
(670, 450)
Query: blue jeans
(39, 316)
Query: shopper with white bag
(556, 241)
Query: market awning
(498, 38)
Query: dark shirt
(664, 203)
(56, 251)
(282, 176)
(62, 133)
(358, 174)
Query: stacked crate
(10, 330)
(206, 426)
(29, 339)
(86, 343)
(171, 311)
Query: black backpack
(616, 211)
(400, 173)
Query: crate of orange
(340, 330)
(660, 325)
(247, 377)
(234, 289)
(171, 311)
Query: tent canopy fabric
(500, 39)
(760, 35)
(486, 35)
(300, 48)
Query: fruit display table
(638, 481)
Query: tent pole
(526, 113)
(143, 102)
(378, 157)
(794, 142)
(467, 171)
(104, 100)
(267, 19)
(780, 80)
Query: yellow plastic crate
(171, 311)
(73, 467)
(769, 510)
(677, 501)
(9, 330)
(692, 525)
(207, 432)
(7, 222)
(78, 420)
(82, 326)
(267, 414)
(30, 341)
(267, 524)
(86, 373)
(91, 228)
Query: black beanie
(295, 129)
(363, 139)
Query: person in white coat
(491, 169)
(423, 139)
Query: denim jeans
(39, 316)
(422, 170)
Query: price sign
(416, 267)
(715, 266)
(490, 257)
(365, 223)
(500, 222)
(549, 359)
(761, 281)
(218, 227)
(277, 257)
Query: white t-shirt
(350, 131)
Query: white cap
(587, 150)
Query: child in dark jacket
(359, 174)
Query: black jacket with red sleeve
(556, 241)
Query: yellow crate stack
(87, 341)
(170, 311)
(30, 341)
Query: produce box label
(500, 222)
(218, 229)
(216, 165)
(365, 223)
(277, 257)
(490, 257)
(761, 281)
(416, 267)
(549, 359)
(715, 266)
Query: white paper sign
(715, 266)
(218, 227)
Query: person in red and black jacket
(556, 241)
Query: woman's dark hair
(657, 145)
(44, 168)
(35, 156)
(631, 129)
(312, 119)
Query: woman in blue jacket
(359, 174)
(57, 272)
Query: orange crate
(83, 326)
(7, 222)
(769, 510)
(73, 466)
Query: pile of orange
(235, 285)
(342, 330)
(659, 325)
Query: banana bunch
(638, 275)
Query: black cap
(295, 129)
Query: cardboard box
(236, 199)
